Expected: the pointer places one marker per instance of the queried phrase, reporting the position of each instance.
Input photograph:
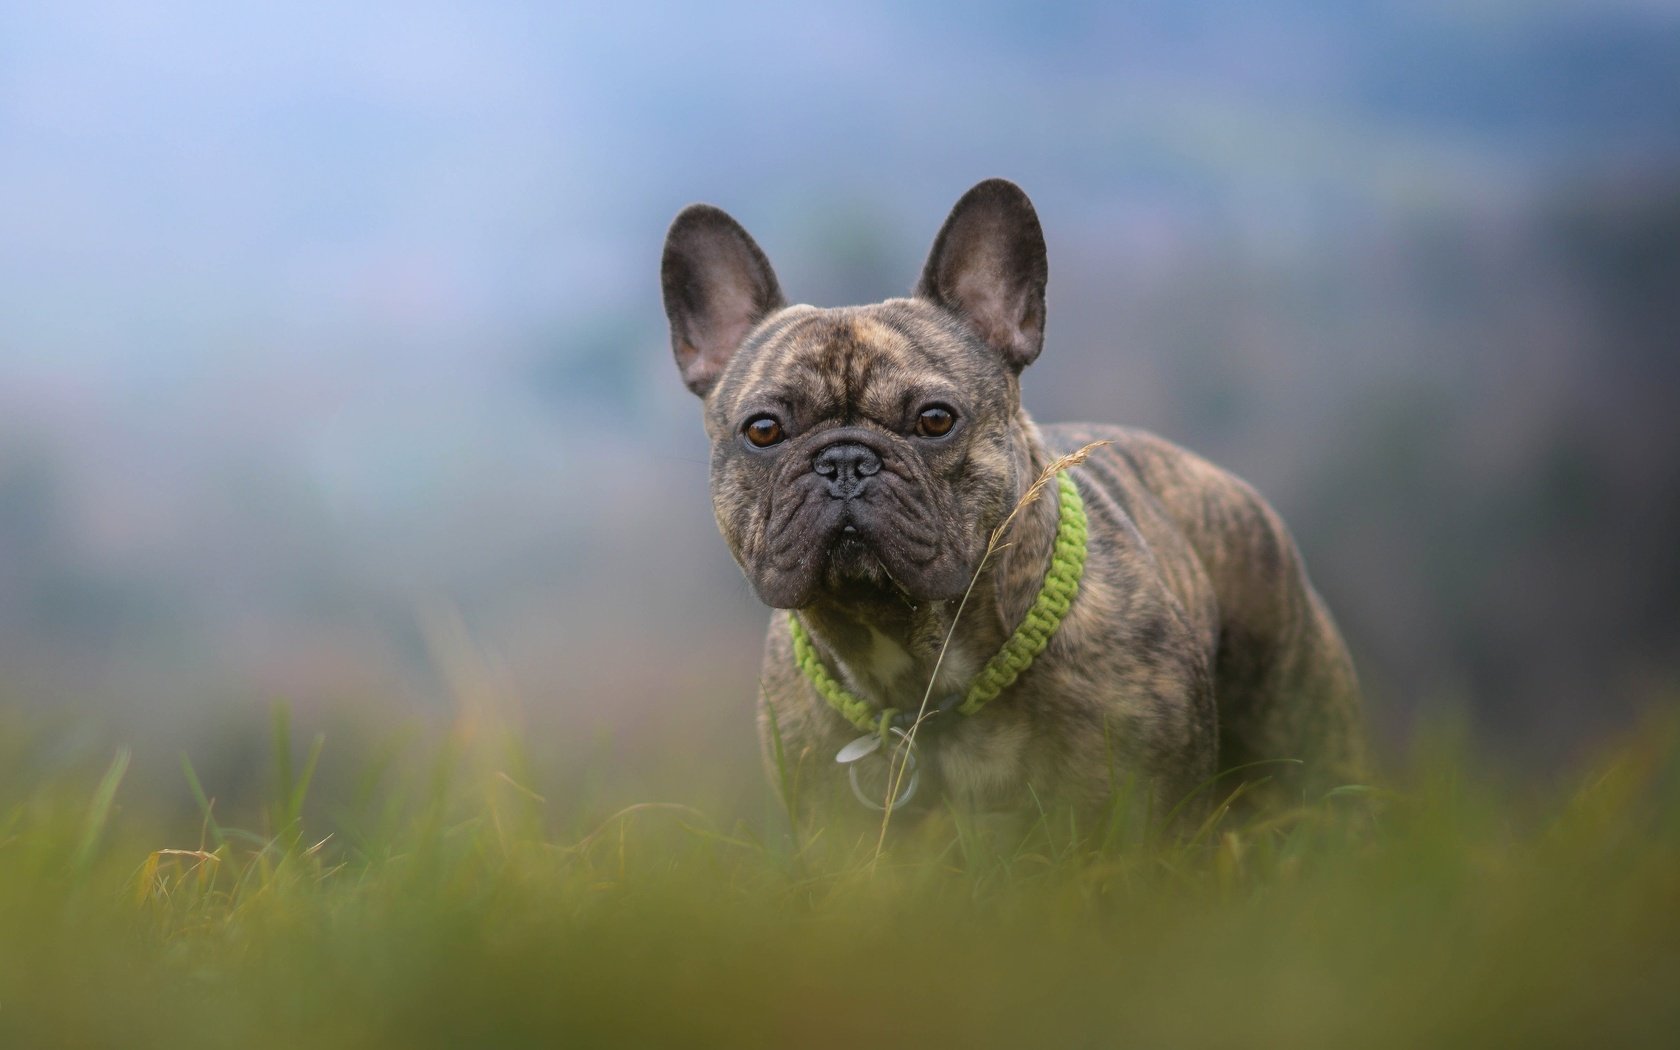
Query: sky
(317, 314)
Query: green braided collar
(1061, 583)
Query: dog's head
(861, 452)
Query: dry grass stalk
(993, 545)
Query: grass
(428, 893)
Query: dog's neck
(887, 648)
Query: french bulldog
(862, 459)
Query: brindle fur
(1195, 644)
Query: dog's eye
(763, 431)
(935, 421)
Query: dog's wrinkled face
(861, 452)
(860, 447)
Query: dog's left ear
(988, 266)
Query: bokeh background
(333, 368)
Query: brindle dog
(861, 458)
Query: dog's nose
(848, 465)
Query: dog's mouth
(854, 572)
(853, 558)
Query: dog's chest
(888, 672)
(980, 761)
(977, 760)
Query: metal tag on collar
(862, 747)
(869, 743)
(897, 769)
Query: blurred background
(333, 367)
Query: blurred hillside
(320, 328)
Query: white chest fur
(979, 763)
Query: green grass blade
(99, 810)
(205, 808)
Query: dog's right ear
(717, 285)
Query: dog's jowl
(1144, 621)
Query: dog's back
(1284, 684)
